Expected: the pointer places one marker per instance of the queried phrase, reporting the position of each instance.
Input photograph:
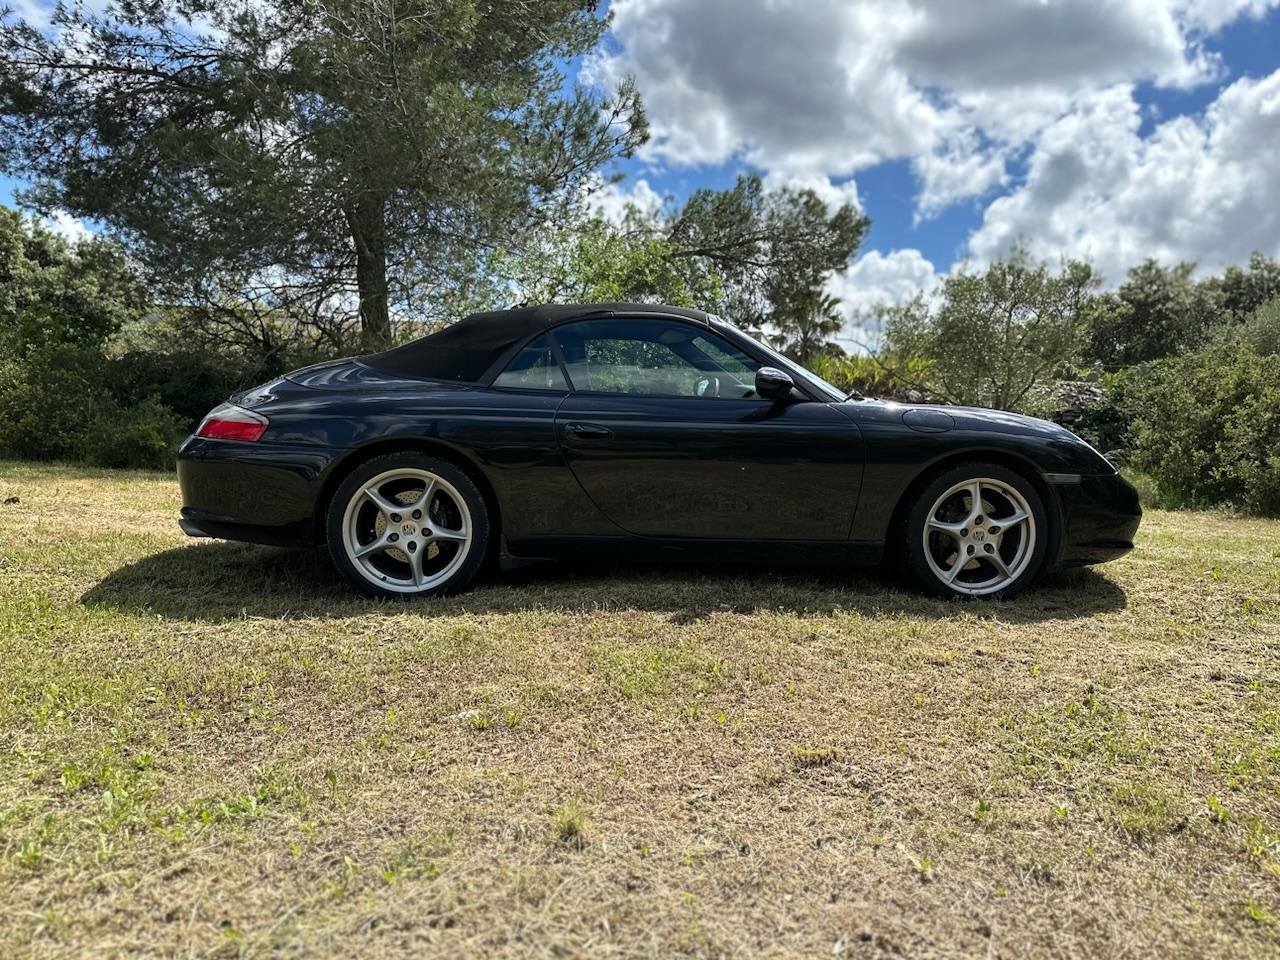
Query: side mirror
(774, 384)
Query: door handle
(588, 431)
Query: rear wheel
(408, 525)
(977, 530)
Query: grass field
(215, 749)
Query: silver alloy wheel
(407, 530)
(979, 537)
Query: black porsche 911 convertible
(637, 431)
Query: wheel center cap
(979, 535)
(408, 529)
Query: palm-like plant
(808, 325)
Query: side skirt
(646, 549)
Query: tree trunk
(366, 218)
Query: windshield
(808, 376)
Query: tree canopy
(328, 150)
(758, 257)
(990, 336)
(54, 292)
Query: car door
(666, 435)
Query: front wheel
(408, 525)
(977, 530)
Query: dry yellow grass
(214, 749)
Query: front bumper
(259, 492)
(1100, 517)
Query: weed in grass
(806, 757)
(923, 866)
(1259, 913)
(30, 854)
(697, 855)
(1041, 866)
(1142, 810)
(342, 883)
(409, 862)
(654, 673)
(569, 825)
(1263, 847)
(766, 774)
(1217, 812)
(1249, 759)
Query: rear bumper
(259, 492)
(1100, 515)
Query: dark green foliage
(1162, 311)
(1158, 312)
(54, 292)
(1242, 290)
(808, 324)
(188, 384)
(299, 152)
(144, 434)
(759, 258)
(71, 387)
(595, 261)
(1260, 331)
(1207, 428)
(68, 402)
(773, 249)
(991, 336)
(1106, 424)
(47, 398)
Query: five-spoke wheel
(408, 525)
(977, 530)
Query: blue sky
(1248, 47)
(1107, 129)
(1112, 130)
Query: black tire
(455, 574)
(1022, 567)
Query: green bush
(1261, 330)
(1207, 428)
(60, 403)
(145, 434)
(190, 384)
(1108, 423)
(887, 378)
(46, 401)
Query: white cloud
(1198, 189)
(1212, 15)
(66, 225)
(613, 200)
(802, 87)
(959, 171)
(834, 195)
(1010, 45)
(33, 12)
(876, 279)
(824, 88)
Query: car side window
(533, 368)
(653, 358)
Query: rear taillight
(229, 422)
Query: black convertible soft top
(466, 350)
